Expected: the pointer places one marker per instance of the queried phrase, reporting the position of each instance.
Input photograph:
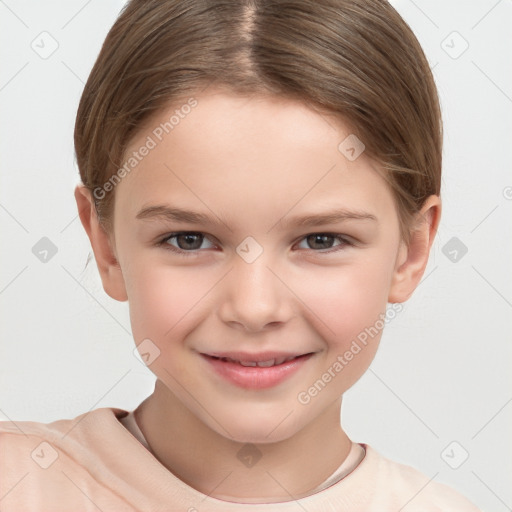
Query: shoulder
(18, 436)
(41, 461)
(411, 490)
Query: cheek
(349, 304)
(346, 299)
(163, 299)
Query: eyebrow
(169, 213)
(328, 217)
(164, 212)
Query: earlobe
(412, 260)
(102, 246)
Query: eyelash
(163, 243)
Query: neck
(212, 464)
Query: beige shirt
(99, 461)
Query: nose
(254, 297)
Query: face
(288, 251)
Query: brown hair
(355, 59)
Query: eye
(186, 242)
(321, 241)
(189, 243)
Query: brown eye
(189, 241)
(185, 242)
(324, 242)
(319, 241)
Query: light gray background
(443, 370)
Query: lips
(256, 371)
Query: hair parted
(357, 60)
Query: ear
(104, 249)
(412, 259)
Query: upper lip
(257, 357)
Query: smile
(255, 371)
(261, 364)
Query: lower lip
(256, 377)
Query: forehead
(230, 153)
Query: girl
(260, 180)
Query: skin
(254, 163)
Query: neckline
(352, 462)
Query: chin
(256, 429)
(257, 437)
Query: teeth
(248, 363)
(264, 364)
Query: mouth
(256, 371)
(275, 361)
